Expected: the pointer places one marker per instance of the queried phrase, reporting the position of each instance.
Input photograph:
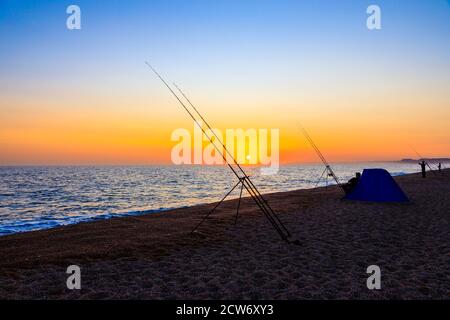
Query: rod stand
(328, 173)
(240, 182)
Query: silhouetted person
(351, 184)
(439, 167)
(422, 165)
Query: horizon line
(209, 165)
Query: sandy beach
(154, 256)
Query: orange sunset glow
(42, 133)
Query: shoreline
(339, 240)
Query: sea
(41, 197)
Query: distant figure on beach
(439, 167)
(422, 165)
(351, 184)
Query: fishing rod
(224, 147)
(244, 180)
(423, 159)
(246, 177)
(328, 168)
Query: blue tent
(377, 185)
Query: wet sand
(154, 256)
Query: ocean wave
(47, 222)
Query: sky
(86, 97)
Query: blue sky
(204, 37)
